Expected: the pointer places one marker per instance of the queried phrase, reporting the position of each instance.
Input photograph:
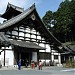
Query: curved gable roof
(19, 9)
(40, 25)
(10, 10)
(16, 19)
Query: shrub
(69, 64)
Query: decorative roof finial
(8, 4)
(32, 6)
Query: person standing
(26, 63)
(32, 65)
(40, 65)
(19, 64)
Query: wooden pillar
(37, 57)
(45, 54)
(50, 56)
(59, 59)
(19, 55)
(51, 53)
(30, 35)
(15, 57)
(29, 58)
(24, 33)
(18, 32)
(4, 57)
(36, 36)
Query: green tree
(47, 19)
(72, 9)
(62, 21)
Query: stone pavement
(13, 68)
(46, 71)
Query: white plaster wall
(38, 33)
(21, 38)
(52, 55)
(33, 36)
(21, 34)
(59, 58)
(27, 35)
(34, 56)
(47, 62)
(1, 57)
(33, 40)
(43, 62)
(42, 45)
(74, 57)
(33, 31)
(14, 33)
(27, 39)
(9, 47)
(10, 57)
(55, 53)
(21, 29)
(16, 28)
(27, 30)
(39, 37)
(48, 49)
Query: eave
(17, 19)
(11, 10)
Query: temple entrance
(26, 56)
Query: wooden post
(4, 57)
(45, 54)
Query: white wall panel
(27, 35)
(33, 36)
(39, 37)
(14, 33)
(34, 56)
(2, 57)
(10, 58)
(21, 29)
(48, 49)
(21, 34)
(42, 45)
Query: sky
(41, 5)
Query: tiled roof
(14, 7)
(3, 39)
(26, 44)
(16, 19)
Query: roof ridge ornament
(14, 6)
(8, 4)
(33, 6)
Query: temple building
(23, 36)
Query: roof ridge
(20, 16)
(9, 4)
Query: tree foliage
(63, 20)
(47, 19)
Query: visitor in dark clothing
(19, 64)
